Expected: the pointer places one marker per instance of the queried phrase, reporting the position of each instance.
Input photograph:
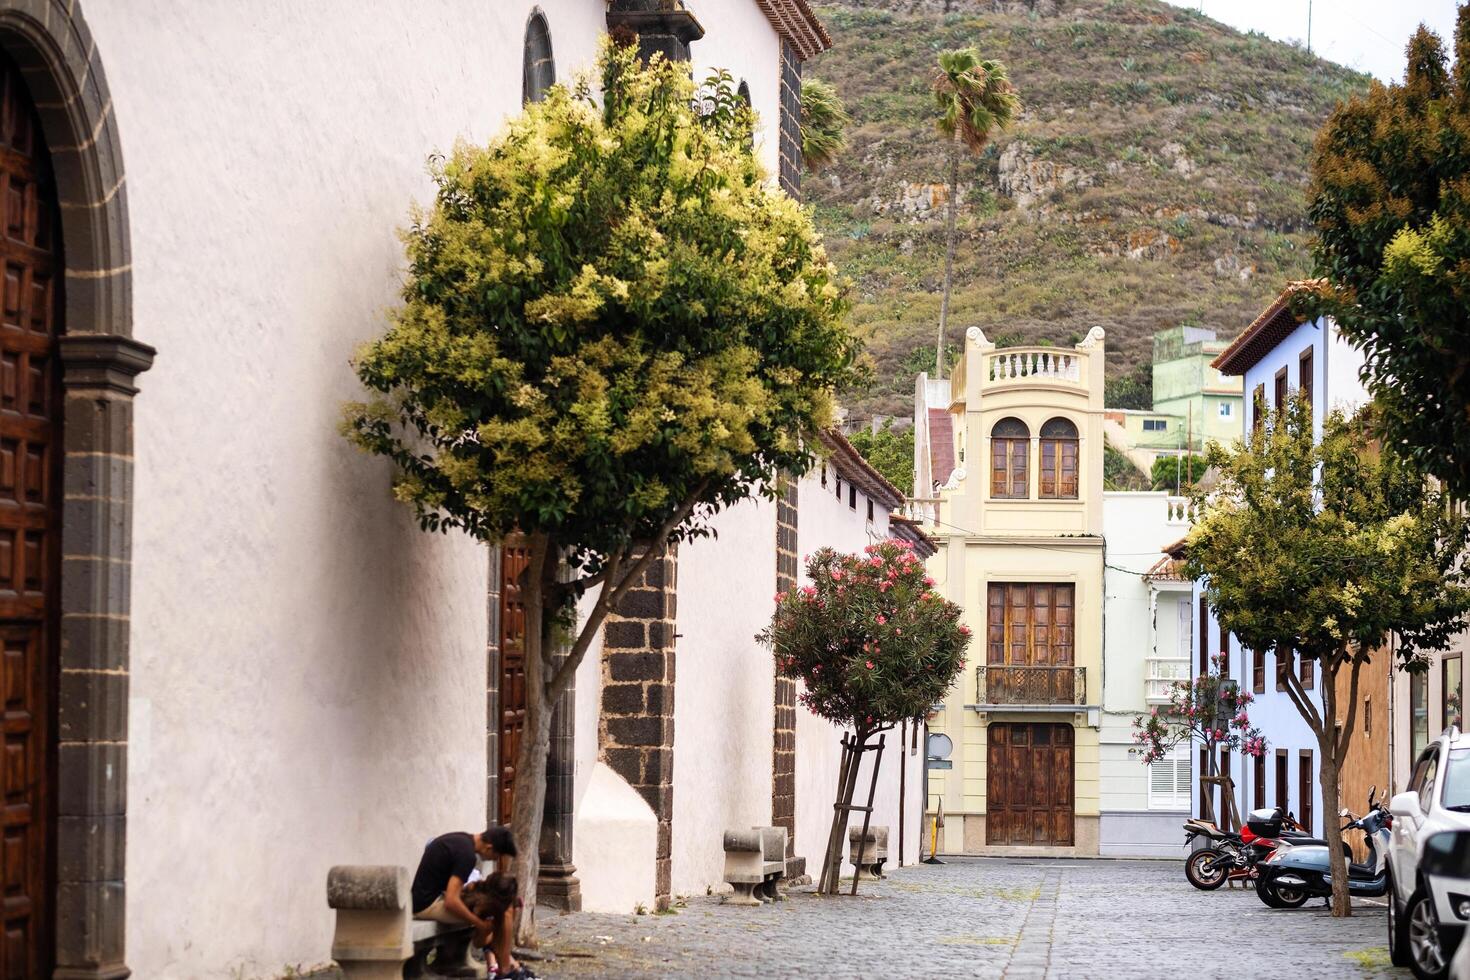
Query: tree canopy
(612, 324)
(1391, 204)
(869, 638)
(824, 122)
(890, 450)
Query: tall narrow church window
(1010, 450)
(1059, 460)
(538, 71)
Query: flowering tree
(1211, 710)
(873, 645)
(613, 326)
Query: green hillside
(1157, 176)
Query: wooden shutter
(1283, 664)
(1281, 389)
(1304, 786)
(1283, 798)
(1017, 625)
(1204, 635)
(1049, 468)
(1000, 479)
(1308, 672)
(995, 625)
(1305, 376)
(1020, 450)
(1068, 478)
(1260, 782)
(1258, 673)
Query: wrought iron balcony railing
(1031, 685)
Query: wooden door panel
(1030, 784)
(514, 559)
(30, 322)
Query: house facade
(1146, 650)
(1187, 385)
(1277, 357)
(1019, 525)
(238, 645)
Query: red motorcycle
(1233, 857)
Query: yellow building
(1009, 463)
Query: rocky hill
(1157, 175)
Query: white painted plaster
(615, 845)
(312, 664)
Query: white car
(1428, 912)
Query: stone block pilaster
(783, 743)
(636, 736)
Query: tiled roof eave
(795, 21)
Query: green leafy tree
(1182, 472)
(872, 644)
(613, 326)
(891, 451)
(824, 122)
(1132, 390)
(1324, 551)
(975, 99)
(1391, 202)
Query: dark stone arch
(51, 44)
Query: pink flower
(929, 581)
(870, 664)
(837, 575)
(780, 596)
(964, 631)
(882, 619)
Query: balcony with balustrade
(1161, 674)
(1030, 685)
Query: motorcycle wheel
(1290, 896)
(1266, 892)
(1198, 869)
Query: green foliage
(1391, 201)
(890, 451)
(1181, 471)
(1132, 390)
(613, 324)
(1119, 473)
(824, 122)
(1328, 548)
(974, 97)
(870, 639)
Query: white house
(1146, 649)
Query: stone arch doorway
(90, 363)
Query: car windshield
(1457, 782)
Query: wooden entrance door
(1028, 787)
(515, 556)
(30, 496)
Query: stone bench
(744, 866)
(376, 936)
(773, 863)
(875, 851)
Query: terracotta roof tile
(795, 21)
(1265, 331)
(852, 467)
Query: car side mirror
(1406, 804)
(1446, 853)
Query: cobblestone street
(982, 918)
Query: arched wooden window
(1059, 460)
(1010, 450)
(744, 92)
(538, 71)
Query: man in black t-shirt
(444, 870)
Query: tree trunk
(1327, 743)
(954, 190)
(529, 806)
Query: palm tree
(824, 122)
(975, 98)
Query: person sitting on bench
(445, 868)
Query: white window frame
(1226, 410)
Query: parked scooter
(1230, 856)
(1296, 872)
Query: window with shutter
(1010, 449)
(1306, 379)
(1260, 782)
(1304, 787)
(1168, 782)
(1258, 407)
(1281, 389)
(1186, 630)
(1059, 460)
(1283, 664)
(1308, 672)
(1258, 672)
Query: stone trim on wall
(789, 142)
(52, 45)
(783, 740)
(636, 724)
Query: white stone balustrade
(1034, 364)
(1179, 510)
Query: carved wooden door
(30, 495)
(1029, 785)
(514, 559)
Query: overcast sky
(1368, 35)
